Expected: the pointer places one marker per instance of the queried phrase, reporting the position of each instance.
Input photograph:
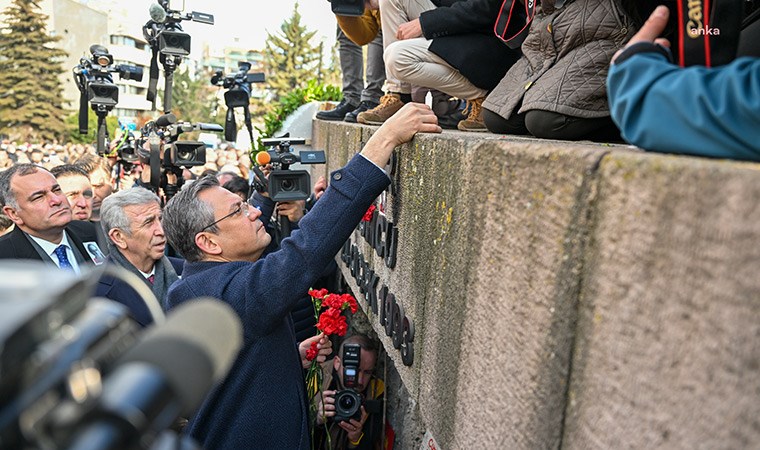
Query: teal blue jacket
(700, 111)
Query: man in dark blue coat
(261, 404)
(131, 220)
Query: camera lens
(185, 155)
(288, 185)
(347, 403)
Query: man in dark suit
(33, 200)
(262, 404)
(131, 220)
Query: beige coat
(565, 60)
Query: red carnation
(368, 215)
(321, 293)
(312, 352)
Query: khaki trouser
(410, 62)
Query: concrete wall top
(550, 285)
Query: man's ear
(117, 237)
(336, 362)
(207, 243)
(11, 213)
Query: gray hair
(112, 213)
(185, 215)
(7, 196)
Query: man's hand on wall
(400, 128)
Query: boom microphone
(157, 13)
(166, 120)
(164, 376)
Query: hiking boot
(363, 106)
(474, 120)
(337, 113)
(389, 104)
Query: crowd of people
(584, 69)
(74, 217)
(556, 78)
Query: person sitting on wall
(700, 111)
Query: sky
(246, 23)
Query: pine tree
(31, 106)
(291, 58)
(193, 99)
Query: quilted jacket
(566, 56)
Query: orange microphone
(263, 158)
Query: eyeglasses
(243, 207)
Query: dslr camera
(348, 402)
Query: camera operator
(32, 198)
(262, 403)
(362, 433)
(131, 219)
(695, 110)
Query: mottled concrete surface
(668, 348)
(568, 295)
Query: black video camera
(238, 95)
(94, 80)
(284, 184)
(168, 155)
(126, 149)
(166, 38)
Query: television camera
(94, 79)
(168, 156)
(238, 95)
(168, 43)
(283, 184)
(125, 147)
(77, 372)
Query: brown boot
(474, 120)
(389, 104)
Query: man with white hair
(131, 220)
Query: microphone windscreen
(263, 158)
(194, 348)
(166, 120)
(157, 13)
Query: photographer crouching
(351, 400)
(262, 403)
